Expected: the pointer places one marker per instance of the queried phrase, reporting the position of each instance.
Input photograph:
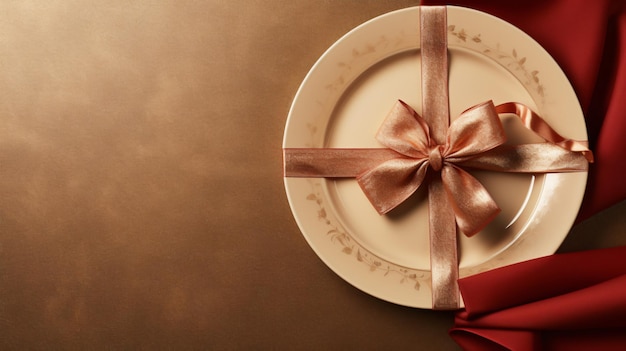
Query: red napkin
(588, 40)
(574, 301)
(571, 301)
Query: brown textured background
(141, 198)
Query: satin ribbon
(431, 149)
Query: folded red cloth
(588, 40)
(574, 301)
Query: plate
(344, 99)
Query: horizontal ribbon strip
(350, 163)
(557, 154)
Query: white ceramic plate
(344, 99)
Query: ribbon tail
(539, 126)
(473, 207)
(390, 183)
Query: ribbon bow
(391, 182)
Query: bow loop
(478, 129)
(405, 131)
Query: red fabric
(574, 301)
(571, 301)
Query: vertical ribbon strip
(436, 112)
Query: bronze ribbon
(435, 107)
(475, 140)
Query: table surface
(141, 194)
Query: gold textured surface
(141, 194)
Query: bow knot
(391, 182)
(435, 159)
